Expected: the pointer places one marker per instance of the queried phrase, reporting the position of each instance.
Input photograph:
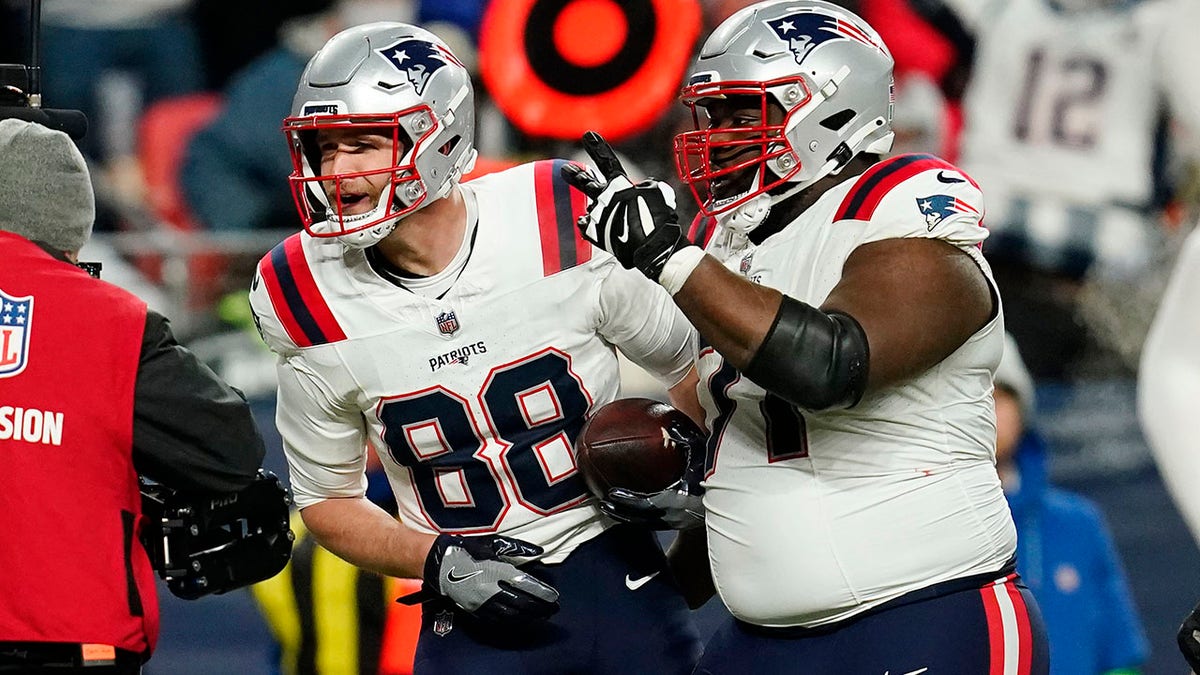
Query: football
(635, 443)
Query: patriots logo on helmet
(418, 60)
(16, 321)
(937, 208)
(803, 31)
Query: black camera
(203, 544)
(14, 85)
(92, 268)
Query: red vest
(71, 567)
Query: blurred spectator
(234, 175)
(464, 15)
(1064, 550)
(153, 42)
(1169, 384)
(919, 116)
(1064, 121)
(933, 53)
(231, 37)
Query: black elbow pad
(813, 359)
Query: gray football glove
(636, 223)
(479, 574)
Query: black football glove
(1189, 639)
(679, 506)
(636, 223)
(675, 508)
(479, 574)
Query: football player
(465, 330)
(1065, 121)
(850, 330)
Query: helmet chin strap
(745, 217)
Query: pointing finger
(602, 154)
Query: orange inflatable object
(557, 68)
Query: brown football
(635, 443)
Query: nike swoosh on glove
(637, 223)
(479, 574)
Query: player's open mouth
(351, 202)
(729, 184)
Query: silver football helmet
(388, 76)
(828, 71)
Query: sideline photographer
(94, 390)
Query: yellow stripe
(278, 607)
(335, 605)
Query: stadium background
(1099, 450)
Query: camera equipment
(21, 88)
(92, 268)
(212, 543)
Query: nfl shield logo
(746, 264)
(16, 321)
(443, 623)
(447, 323)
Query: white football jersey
(814, 516)
(472, 399)
(1061, 118)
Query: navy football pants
(603, 626)
(994, 629)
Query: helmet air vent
(448, 146)
(836, 121)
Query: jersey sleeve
(266, 318)
(324, 441)
(290, 307)
(912, 196)
(324, 438)
(639, 317)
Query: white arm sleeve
(643, 322)
(325, 445)
(1169, 385)
(1179, 53)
